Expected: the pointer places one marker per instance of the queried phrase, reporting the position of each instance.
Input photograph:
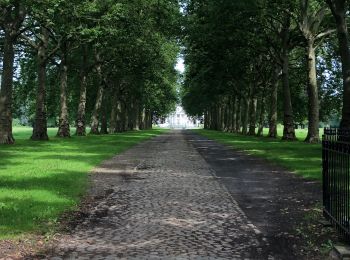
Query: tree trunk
(97, 108)
(98, 102)
(288, 121)
(13, 17)
(120, 126)
(313, 135)
(113, 124)
(252, 115)
(149, 119)
(261, 116)
(273, 105)
(40, 123)
(136, 116)
(339, 11)
(143, 119)
(234, 114)
(245, 111)
(104, 122)
(126, 119)
(63, 127)
(239, 115)
(81, 120)
(6, 136)
(228, 116)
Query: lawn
(299, 157)
(40, 180)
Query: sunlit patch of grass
(299, 157)
(40, 180)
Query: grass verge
(299, 157)
(40, 180)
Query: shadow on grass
(40, 180)
(20, 215)
(299, 157)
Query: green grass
(299, 157)
(40, 180)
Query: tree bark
(6, 136)
(99, 98)
(252, 114)
(261, 116)
(339, 10)
(313, 135)
(149, 119)
(136, 116)
(40, 123)
(245, 119)
(12, 18)
(81, 120)
(143, 119)
(228, 116)
(288, 121)
(113, 121)
(234, 114)
(63, 126)
(239, 115)
(273, 105)
(104, 122)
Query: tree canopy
(254, 64)
(106, 64)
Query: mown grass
(40, 180)
(299, 157)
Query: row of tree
(66, 61)
(257, 63)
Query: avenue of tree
(101, 63)
(252, 64)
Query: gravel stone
(161, 201)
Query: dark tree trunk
(13, 17)
(245, 118)
(104, 114)
(239, 115)
(234, 114)
(149, 119)
(81, 120)
(339, 11)
(125, 114)
(104, 122)
(252, 115)
(40, 123)
(261, 116)
(63, 125)
(113, 121)
(313, 135)
(288, 121)
(6, 136)
(228, 116)
(273, 105)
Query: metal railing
(336, 179)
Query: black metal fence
(336, 178)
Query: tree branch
(326, 33)
(29, 41)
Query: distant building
(180, 120)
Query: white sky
(180, 66)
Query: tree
(12, 17)
(339, 10)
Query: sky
(180, 66)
